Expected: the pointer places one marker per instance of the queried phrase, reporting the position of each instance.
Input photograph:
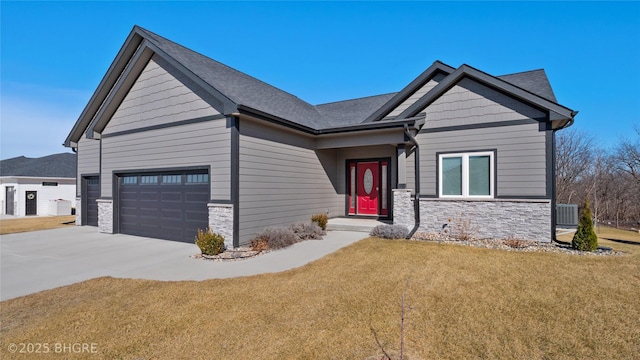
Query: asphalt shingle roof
(61, 165)
(534, 81)
(351, 112)
(248, 91)
(239, 87)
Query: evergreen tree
(585, 238)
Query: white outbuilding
(38, 186)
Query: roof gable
(556, 112)
(230, 91)
(237, 86)
(437, 67)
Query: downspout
(416, 201)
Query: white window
(466, 175)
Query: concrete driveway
(41, 260)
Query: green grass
(464, 302)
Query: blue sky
(54, 54)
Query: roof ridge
(224, 65)
(358, 98)
(523, 72)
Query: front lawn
(463, 302)
(33, 223)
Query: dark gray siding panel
(521, 160)
(193, 145)
(88, 159)
(282, 183)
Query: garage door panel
(173, 196)
(172, 211)
(147, 195)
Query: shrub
(259, 244)
(321, 219)
(515, 243)
(585, 238)
(390, 231)
(307, 230)
(210, 243)
(274, 238)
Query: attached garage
(91, 193)
(167, 205)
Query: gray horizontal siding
(417, 95)
(521, 156)
(192, 145)
(470, 102)
(159, 96)
(88, 159)
(281, 183)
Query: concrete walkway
(40, 260)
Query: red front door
(368, 187)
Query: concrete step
(352, 224)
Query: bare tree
(628, 155)
(574, 158)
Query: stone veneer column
(221, 221)
(105, 216)
(403, 213)
(499, 219)
(78, 211)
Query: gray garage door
(171, 206)
(92, 193)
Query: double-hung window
(466, 175)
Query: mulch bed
(515, 245)
(240, 253)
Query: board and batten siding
(281, 183)
(193, 145)
(88, 155)
(521, 146)
(417, 95)
(159, 96)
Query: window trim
(465, 173)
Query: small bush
(274, 238)
(259, 244)
(209, 242)
(321, 219)
(390, 231)
(307, 230)
(516, 243)
(585, 238)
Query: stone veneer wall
(78, 211)
(522, 219)
(403, 213)
(105, 216)
(221, 221)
